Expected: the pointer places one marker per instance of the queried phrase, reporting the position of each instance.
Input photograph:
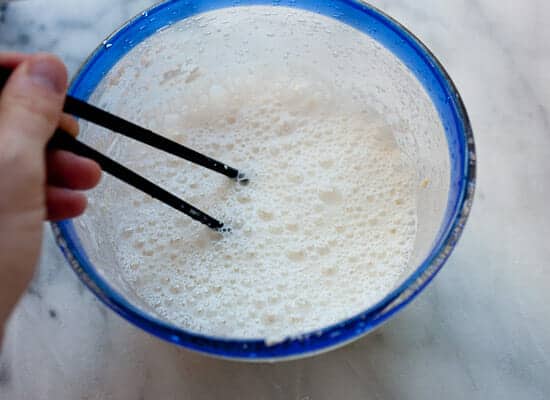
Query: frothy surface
(323, 230)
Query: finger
(64, 203)
(12, 59)
(69, 124)
(31, 104)
(66, 169)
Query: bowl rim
(442, 92)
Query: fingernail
(47, 73)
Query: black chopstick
(107, 120)
(64, 141)
(110, 121)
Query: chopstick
(63, 140)
(107, 120)
(116, 124)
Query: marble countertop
(480, 331)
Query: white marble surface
(480, 331)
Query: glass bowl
(405, 83)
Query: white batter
(323, 230)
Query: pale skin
(35, 184)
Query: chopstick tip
(242, 179)
(223, 229)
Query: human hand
(35, 184)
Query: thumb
(30, 108)
(31, 104)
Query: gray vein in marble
(4, 373)
(3, 10)
(33, 290)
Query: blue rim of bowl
(434, 79)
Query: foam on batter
(324, 228)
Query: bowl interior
(259, 45)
